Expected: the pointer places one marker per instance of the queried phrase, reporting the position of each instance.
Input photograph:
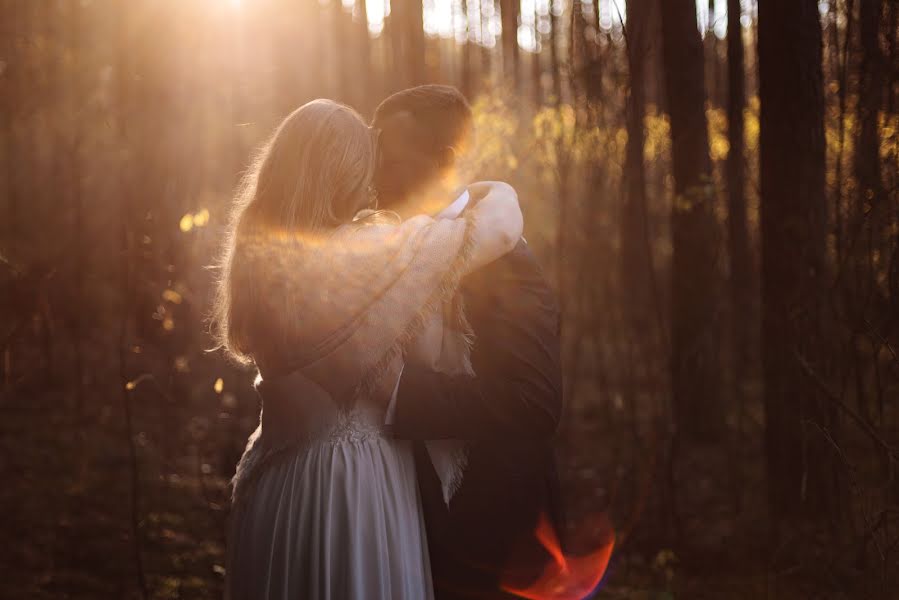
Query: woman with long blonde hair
(327, 297)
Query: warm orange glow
(566, 577)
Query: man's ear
(447, 157)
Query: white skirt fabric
(337, 519)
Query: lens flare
(566, 577)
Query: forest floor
(67, 533)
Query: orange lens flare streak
(565, 578)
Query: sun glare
(377, 11)
(447, 19)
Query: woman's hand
(480, 189)
(498, 222)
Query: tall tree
(366, 80)
(408, 40)
(556, 8)
(11, 101)
(124, 114)
(466, 75)
(793, 227)
(485, 16)
(738, 237)
(509, 14)
(694, 322)
(342, 47)
(711, 57)
(870, 97)
(636, 252)
(536, 66)
(76, 198)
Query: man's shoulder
(514, 273)
(519, 261)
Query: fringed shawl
(342, 310)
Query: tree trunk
(343, 49)
(415, 34)
(741, 268)
(124, 114)
(892, 53)
(486, 54)
(408, 41)
(364, 52)
(75, 97)
(793, 227)
(12, 98)
(870, 94)
(509, 13)
(694, 320)
(554, 40)
(466, 79)
(11, 103)
(636, 252)
(536, 65)
(713, 91)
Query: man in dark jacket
(484, 540)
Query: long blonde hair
(312, 175)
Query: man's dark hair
(419, 129)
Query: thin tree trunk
(414, 31)
(74, 186)
(343, 47)
(509, 14)
(869, 215)
(870, 94)
(364, 53)
(694, 309)
(407, 41)
(644, 310)
(711, 58)
(554, 40)
(842, 85)
(11, 103)
(536, 66)
(892, 54)
(741, 270)
(466, 79)
(125, 77)
(793, 227)
(486, 54)
(636, 249)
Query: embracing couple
(407, 345)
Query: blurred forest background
(711, 186)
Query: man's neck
(431, 202)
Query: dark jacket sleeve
(518, 388)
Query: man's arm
(518, 388)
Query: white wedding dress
(337, 519)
